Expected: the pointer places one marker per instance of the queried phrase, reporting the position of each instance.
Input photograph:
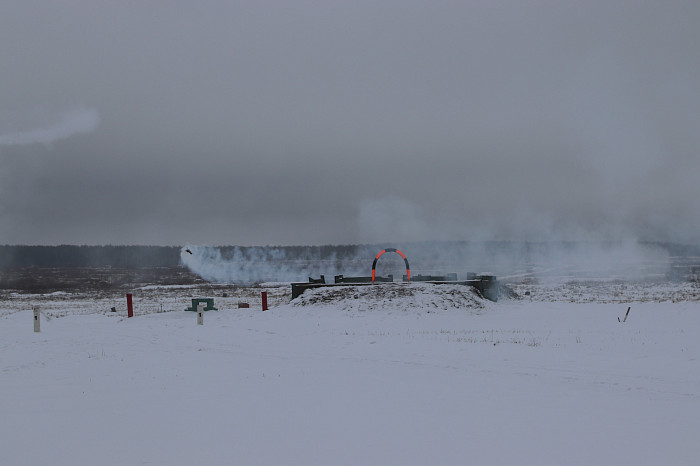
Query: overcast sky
(328, 122)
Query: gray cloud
(316, 122)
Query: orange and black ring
(374, 264)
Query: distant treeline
(148, 256)
(89, 256)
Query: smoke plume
(266, 264)
(512, 261)
(70, 123)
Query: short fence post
(129, 305)
(37, 319)
(200, 314)
(264, 300)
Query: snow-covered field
(397, 374)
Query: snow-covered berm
(403, 374)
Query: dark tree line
(89, 256)
(153, 256)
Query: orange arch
(374, 264)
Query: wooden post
(37, 319)
(129, 305)
(264, 300)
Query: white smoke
(508, 243)
(543, 261)
(265, 264)
(69, 124)
(208, 263)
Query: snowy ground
(404, 374)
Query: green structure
(209, 304)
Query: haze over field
(252, 123)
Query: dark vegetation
(88, 256)
(130, 257)
(41, 269)
(49, 279)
